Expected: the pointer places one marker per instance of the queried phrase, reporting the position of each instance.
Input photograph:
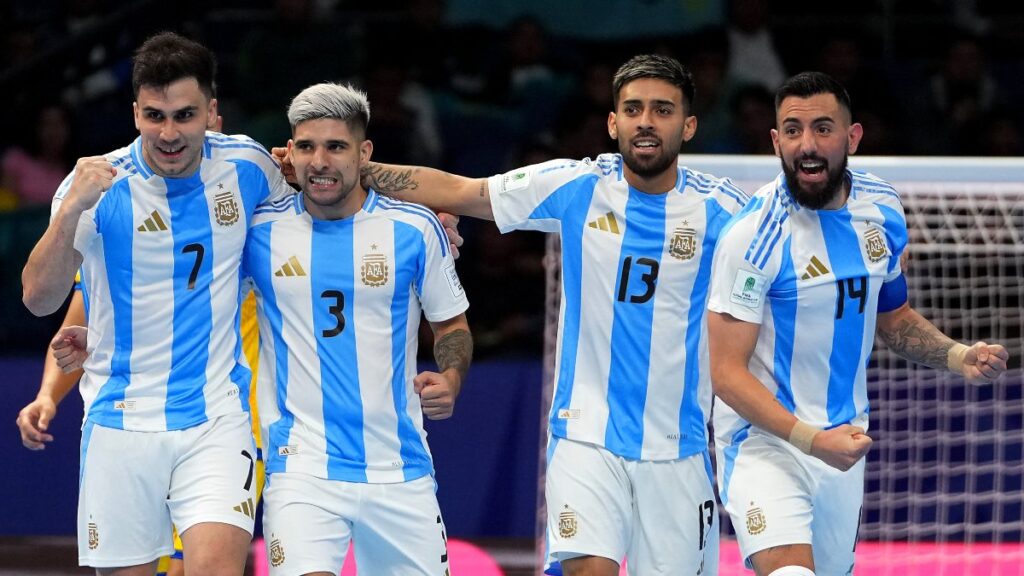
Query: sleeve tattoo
(919, 341)
(454, 350)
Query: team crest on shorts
(683, 245)
(567, 523)
(874, 244)
(756, 522)
(94, 536)
(375, 269)
(276, 553)
(225, 208)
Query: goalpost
(945, 477)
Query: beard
(820, 194)
(649, 167)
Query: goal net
(945, 477)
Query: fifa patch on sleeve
(453, 280)
(515, 180)
(748, 289)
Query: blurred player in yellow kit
(172, 565)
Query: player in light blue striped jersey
(158, 229)
(628, 468)
(341, 276)
(802, 278)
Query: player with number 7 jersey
(157, 229)
(161, 267)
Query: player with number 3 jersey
(342, 276)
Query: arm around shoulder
(439, 190)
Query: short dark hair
(655, 66)
(168, 57)
(807, 84)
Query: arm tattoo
(454, 350)
(483, 188)
(388, 181)
(919, 341)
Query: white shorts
(776, 495)
(661, 514)
(134, 485)
(396, 528)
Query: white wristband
(802, 436)
(955, 358)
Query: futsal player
(802, 280)
(341, 276)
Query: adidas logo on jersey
(569, 414)
(607, 223)
(247, 508)
(815, 269)
(153, 224)
(290, 268)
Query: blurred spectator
(960, 95)
(753, 117)
(708, 59)
(525, 76)
(582, 127)
(291, 49)
(881, 131)
(430, 47)
(842, 57)
(403, 126)
(35, 170)
(1000, 135)
(753, 57)
(94, 68)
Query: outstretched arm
(453, 352)
(34, 419)
(731, 342)
(439, 190)
(913, 337)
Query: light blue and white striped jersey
(338, 304)
(814, 280)
(161, 269)
(631, 367)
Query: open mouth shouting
(811, 169)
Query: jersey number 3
(336, 309)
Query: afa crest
(225, 208)
(374, 271)
(567, 525)
(874, 245)
(683, 245)
(756, 522)
(94, 536)
(276, 553)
